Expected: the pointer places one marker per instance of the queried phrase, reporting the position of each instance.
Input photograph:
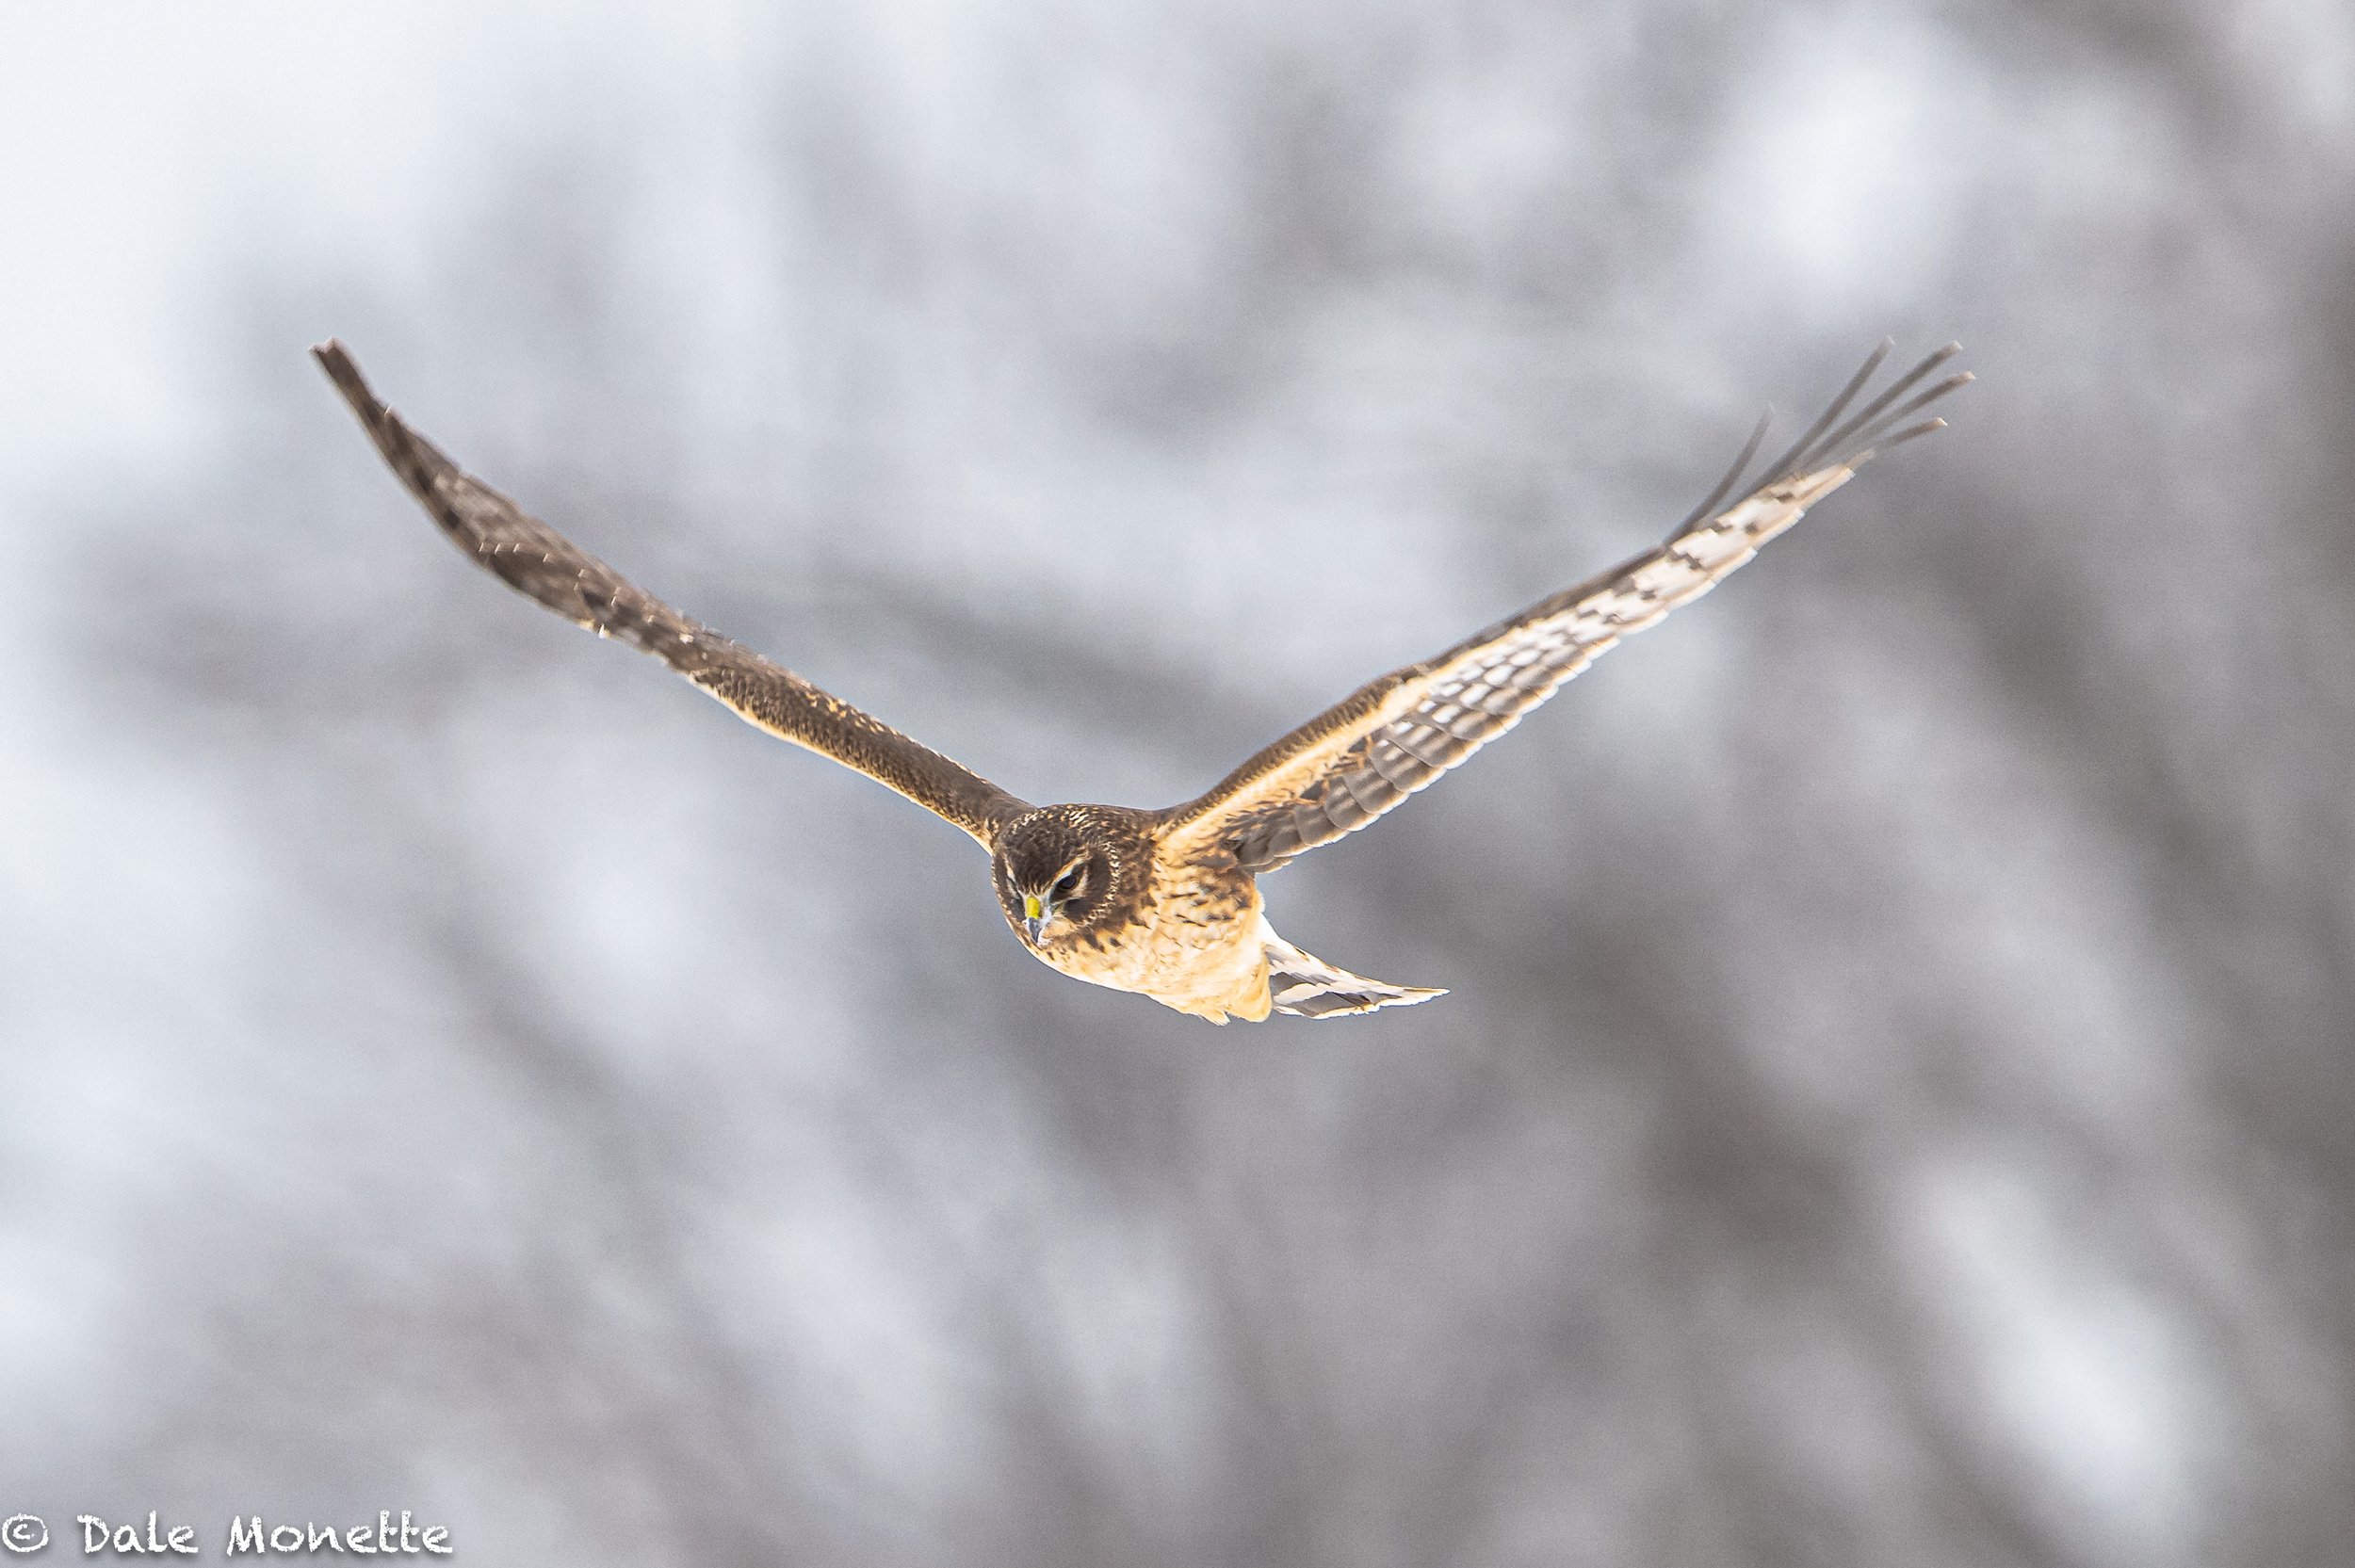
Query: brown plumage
(1167, 902)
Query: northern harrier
(1167, 902)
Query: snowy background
(1896, 1104)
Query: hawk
(1167, 902)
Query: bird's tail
(1307, 987)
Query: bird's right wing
(535, 559)
(1397, 734)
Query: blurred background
(1894, 1104)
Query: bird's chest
(1193, 935)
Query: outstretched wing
(534, 559)
(1389, 738)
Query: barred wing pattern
(535, 559)
(1397, 734)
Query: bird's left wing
(1397, 734)
(536, 561)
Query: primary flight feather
(1167, 902)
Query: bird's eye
(1068, 883)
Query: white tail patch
(1306, 986)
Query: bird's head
(1055, 870)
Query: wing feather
(1396, 736)
(536, 561)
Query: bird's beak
(1033, 916)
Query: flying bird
(1167, 902)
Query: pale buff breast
(1195, 946)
